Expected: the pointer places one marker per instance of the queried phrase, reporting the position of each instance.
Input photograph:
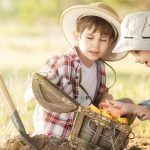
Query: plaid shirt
(65, 72)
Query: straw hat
(135, 33)
(69, 18)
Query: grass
(16, 66)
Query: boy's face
(142, 56)
(92, 46)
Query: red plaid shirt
(65, 72)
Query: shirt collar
(75, 54)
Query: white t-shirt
(89, 82)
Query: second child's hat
(135, 33)
(71, 15)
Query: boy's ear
(76, 37)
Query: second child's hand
(117, 108)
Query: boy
(93, 31)
(135, 38)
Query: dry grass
(21, 55)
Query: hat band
(145, 37)
(80, 17)
(127, 37)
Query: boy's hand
(117, 108)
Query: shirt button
(76, 97)
(87, 97)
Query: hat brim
(125, 45)
(70, 16)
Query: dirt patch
(41, 142)
(139, 143)
(44, 143)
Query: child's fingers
(141, 61)
(114, 112)
(108, 103)
(113, 103)
(144, 118)
(137, 60)
(103, 105)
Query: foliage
(31, 11)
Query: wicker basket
(92, 131)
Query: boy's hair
(99, 24)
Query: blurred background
(30, 33)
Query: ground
(44, 143)
(139, 143)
